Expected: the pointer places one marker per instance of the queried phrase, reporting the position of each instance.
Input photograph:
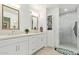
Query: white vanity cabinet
(22, 45)
(8, 47)
(14, 46)
(44, 39)
(35, 43)
(8, 50)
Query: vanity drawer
(20, 39)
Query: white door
(43, 39)
(50, 40)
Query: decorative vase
(41, 29)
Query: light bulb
(65, 9)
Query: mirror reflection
(34, 22)
(10, 18)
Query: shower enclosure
(68, 28)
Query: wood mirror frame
(3, 17)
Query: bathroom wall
(25, 18)
(42, 21)
(55, 26)
(0, 16)
(41, 11)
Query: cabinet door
(8, 46)
(43, 39)
(22, 48)
(22, 45)
(32, 44)
(38, 42)
(50, 40)
(8, 49)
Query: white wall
(54, 41)
(0, 16)
(42, 19)
(25, 18)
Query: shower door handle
(75, 29)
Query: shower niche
(49, 22)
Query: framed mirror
(10, 18)
(34, 22)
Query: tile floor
(47, 51)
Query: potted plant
(26, 30)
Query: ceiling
(54, 5)
(62, 7)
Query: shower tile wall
(66, 33)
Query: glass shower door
(68, 30)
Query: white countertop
(5, 37)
